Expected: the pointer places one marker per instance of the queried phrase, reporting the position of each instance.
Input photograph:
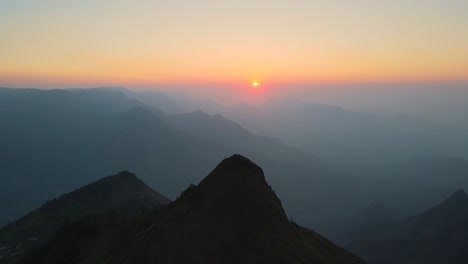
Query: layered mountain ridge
(231, 216)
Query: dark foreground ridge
(232, 216)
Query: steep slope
(122, 194)
(438, 235)
(232, 216)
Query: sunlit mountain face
(353, 113)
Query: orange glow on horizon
(127, 44)
(70, 79)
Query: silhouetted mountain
(438, 235)
(231, 216)
(122, 194)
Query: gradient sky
(97, 42)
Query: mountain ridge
(123, 195)
(231, 216)
(106, 193)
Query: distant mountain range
(231, 216)
(354, 140)
(225, 132)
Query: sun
(255, 84)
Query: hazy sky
(97, 42)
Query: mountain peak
(198, 113)
(236, 189)
(112, 190)
(123, 193)
(237, 172)
(123, 175)
(241, 163)
(205, 116)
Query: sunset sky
(68, 43)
